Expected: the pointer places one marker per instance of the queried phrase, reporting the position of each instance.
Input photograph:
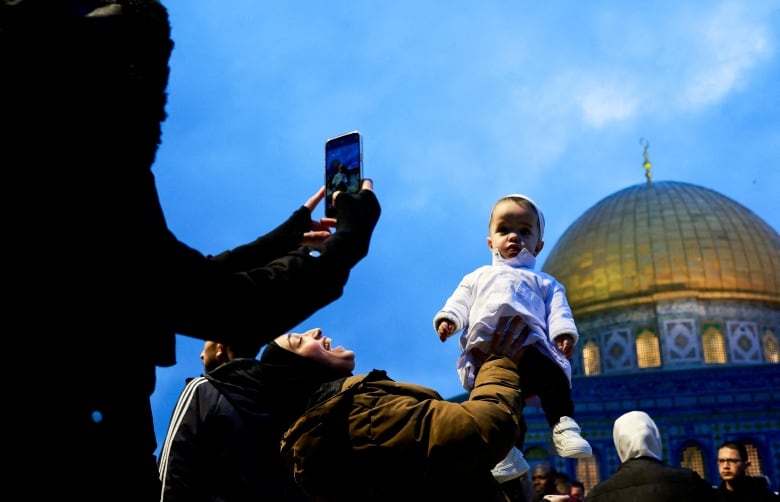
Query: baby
(510, 287)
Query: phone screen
(343, 167)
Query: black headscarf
(288, 381)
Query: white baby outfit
(508, 287)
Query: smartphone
(343, 167)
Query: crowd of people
(643, 476)
(353, 437)
(98, 259)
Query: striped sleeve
(179, 412)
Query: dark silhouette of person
(95, 276)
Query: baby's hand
(445, 329)
(565, 344)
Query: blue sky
(459, 103)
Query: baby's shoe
(567, 440)
(513, 466)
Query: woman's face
(313, 345)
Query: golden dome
(666, 240)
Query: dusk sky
(459, 104)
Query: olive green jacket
(379, 439)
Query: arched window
(713, 345)
(755, 468)
(588, 472)
(771, 348)
(648, 353)
(693, 458)
(591, 359)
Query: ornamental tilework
(743, 342)
(680, 343)
(618, 350)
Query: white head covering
(636, 435)
(538, 211)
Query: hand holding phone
(343, 167)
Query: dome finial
(646, 164)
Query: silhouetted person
(99, 282)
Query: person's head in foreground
(636, 435)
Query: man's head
(215, 354)
(577, 491)
(562, 483)
(542, 478)
(516, 223)
(732, 461)
(636, 435)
